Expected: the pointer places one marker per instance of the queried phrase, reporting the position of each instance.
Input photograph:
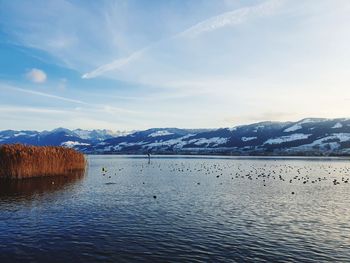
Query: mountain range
(311, 136)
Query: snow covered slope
(306, 137)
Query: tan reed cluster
(21, 161)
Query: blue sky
(126, 65)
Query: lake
(181, 208)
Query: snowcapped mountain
(58, 137)
(306, 137)
(98, 135)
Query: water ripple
(205, 209)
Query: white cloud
(207, 64)
(36, 75)
(231, 18)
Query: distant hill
(312, 136)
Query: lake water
(178, 208)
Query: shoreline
(217, 156)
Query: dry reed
(20, 161)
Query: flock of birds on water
(306, 174)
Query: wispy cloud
(16, 109)
(179, 65)
(231, 18)
(43, 94)
(96, 107)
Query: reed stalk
(20, 161)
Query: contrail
(38, 93)
(105, 108)
(230, 18)
(116, 64)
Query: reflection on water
(31, 187)
(205, 210)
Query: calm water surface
(181, 209)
